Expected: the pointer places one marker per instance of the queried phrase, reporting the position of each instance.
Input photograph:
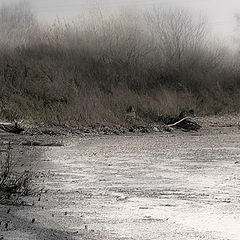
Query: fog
(220, 13)
(158, 61)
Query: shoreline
(98, 129)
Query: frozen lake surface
(149, 187)
(162, 186)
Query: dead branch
(11, 127)
(179, 121)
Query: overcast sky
(220, 13)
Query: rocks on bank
(133, 125)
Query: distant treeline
(92, 69)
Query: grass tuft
(11, 182)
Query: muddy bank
(179, 185)
(184, 121)
(43, 134)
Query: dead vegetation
(92, 69)
(12, 182)
(11, 128)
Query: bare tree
(175, 32)
(17, 23)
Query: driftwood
(41, 144)
(11, 127)
(186, 123)
(179, 121)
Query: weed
(11, 182)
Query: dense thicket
(92, 69)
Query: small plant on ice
(11, 182)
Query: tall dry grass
(91, 69)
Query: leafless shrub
(17, 23)
(12, 182)
(91, 70)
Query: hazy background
(90, 70)
(220, 13)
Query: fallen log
(183, 121)
(11, 127)
(186, 123)
(41, 144)
(179, 121)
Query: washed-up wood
(11, 127)
(186, 123)
(178, 122)
(41, 144)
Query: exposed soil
(179, 185)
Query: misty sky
(220, 13)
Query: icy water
(147, 187)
